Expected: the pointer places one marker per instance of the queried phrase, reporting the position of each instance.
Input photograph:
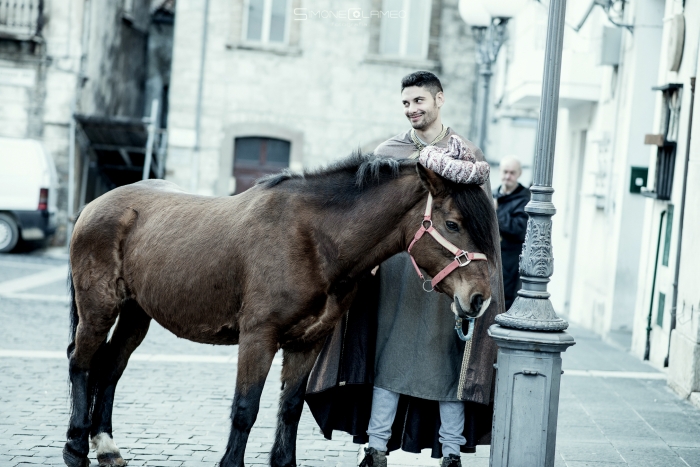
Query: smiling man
(418, 355)
(394, 372)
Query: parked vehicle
(28, 185)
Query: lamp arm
(490, 40)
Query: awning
(124, 150)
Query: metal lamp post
(488, 20)
(530, 335)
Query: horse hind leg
(255, 354)
(295, 373)
(107, 367)
(89, 337)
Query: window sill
(20, 37)
(277, 49)
(421, 63)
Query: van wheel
(9, 234)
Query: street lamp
(530, 336)
(488, 19)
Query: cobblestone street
(173, 402)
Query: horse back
(194, 259)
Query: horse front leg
(255, 354)
(295, 373)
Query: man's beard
(428, 119)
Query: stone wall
(38, 81)
(328, 86)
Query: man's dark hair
(423, 79)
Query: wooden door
(255, 157)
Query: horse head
(463, 215)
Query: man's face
(420, 107)
(510, 172)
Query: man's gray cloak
(417, 354)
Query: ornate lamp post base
(527, 396)
(533, 315)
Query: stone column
(530, 335)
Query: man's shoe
(374, 458)
(452, 461)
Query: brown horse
(272, 268)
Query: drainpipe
(674, 302)
(198, 113)
(647, 347)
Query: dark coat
(339, 392)
(512, 224)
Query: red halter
(462, 257)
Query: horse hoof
(110, 459)
(73, 459)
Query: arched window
(255, 157)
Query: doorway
(254, 157)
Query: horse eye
(452, 226)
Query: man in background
(511, 198)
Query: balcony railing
(21, 19)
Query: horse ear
(431, 181)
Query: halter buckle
(430, 284)
(463, 259)
(429, 222)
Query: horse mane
(367, 169)
(344, 181)
(478, 214)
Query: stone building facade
(60, 58)
(667, 325)
(40, 63)
(302, 82)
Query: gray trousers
(384, 405)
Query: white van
(28, 185)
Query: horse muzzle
(477, 306)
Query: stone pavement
(173, 402)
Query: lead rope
(465, 367)
(467, 351)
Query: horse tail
(74, 318)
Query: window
(255, 157)
(660, 312)
(666, 142)
(405, 28)
(667, 238)
(266, 21)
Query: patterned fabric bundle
(456, 162)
